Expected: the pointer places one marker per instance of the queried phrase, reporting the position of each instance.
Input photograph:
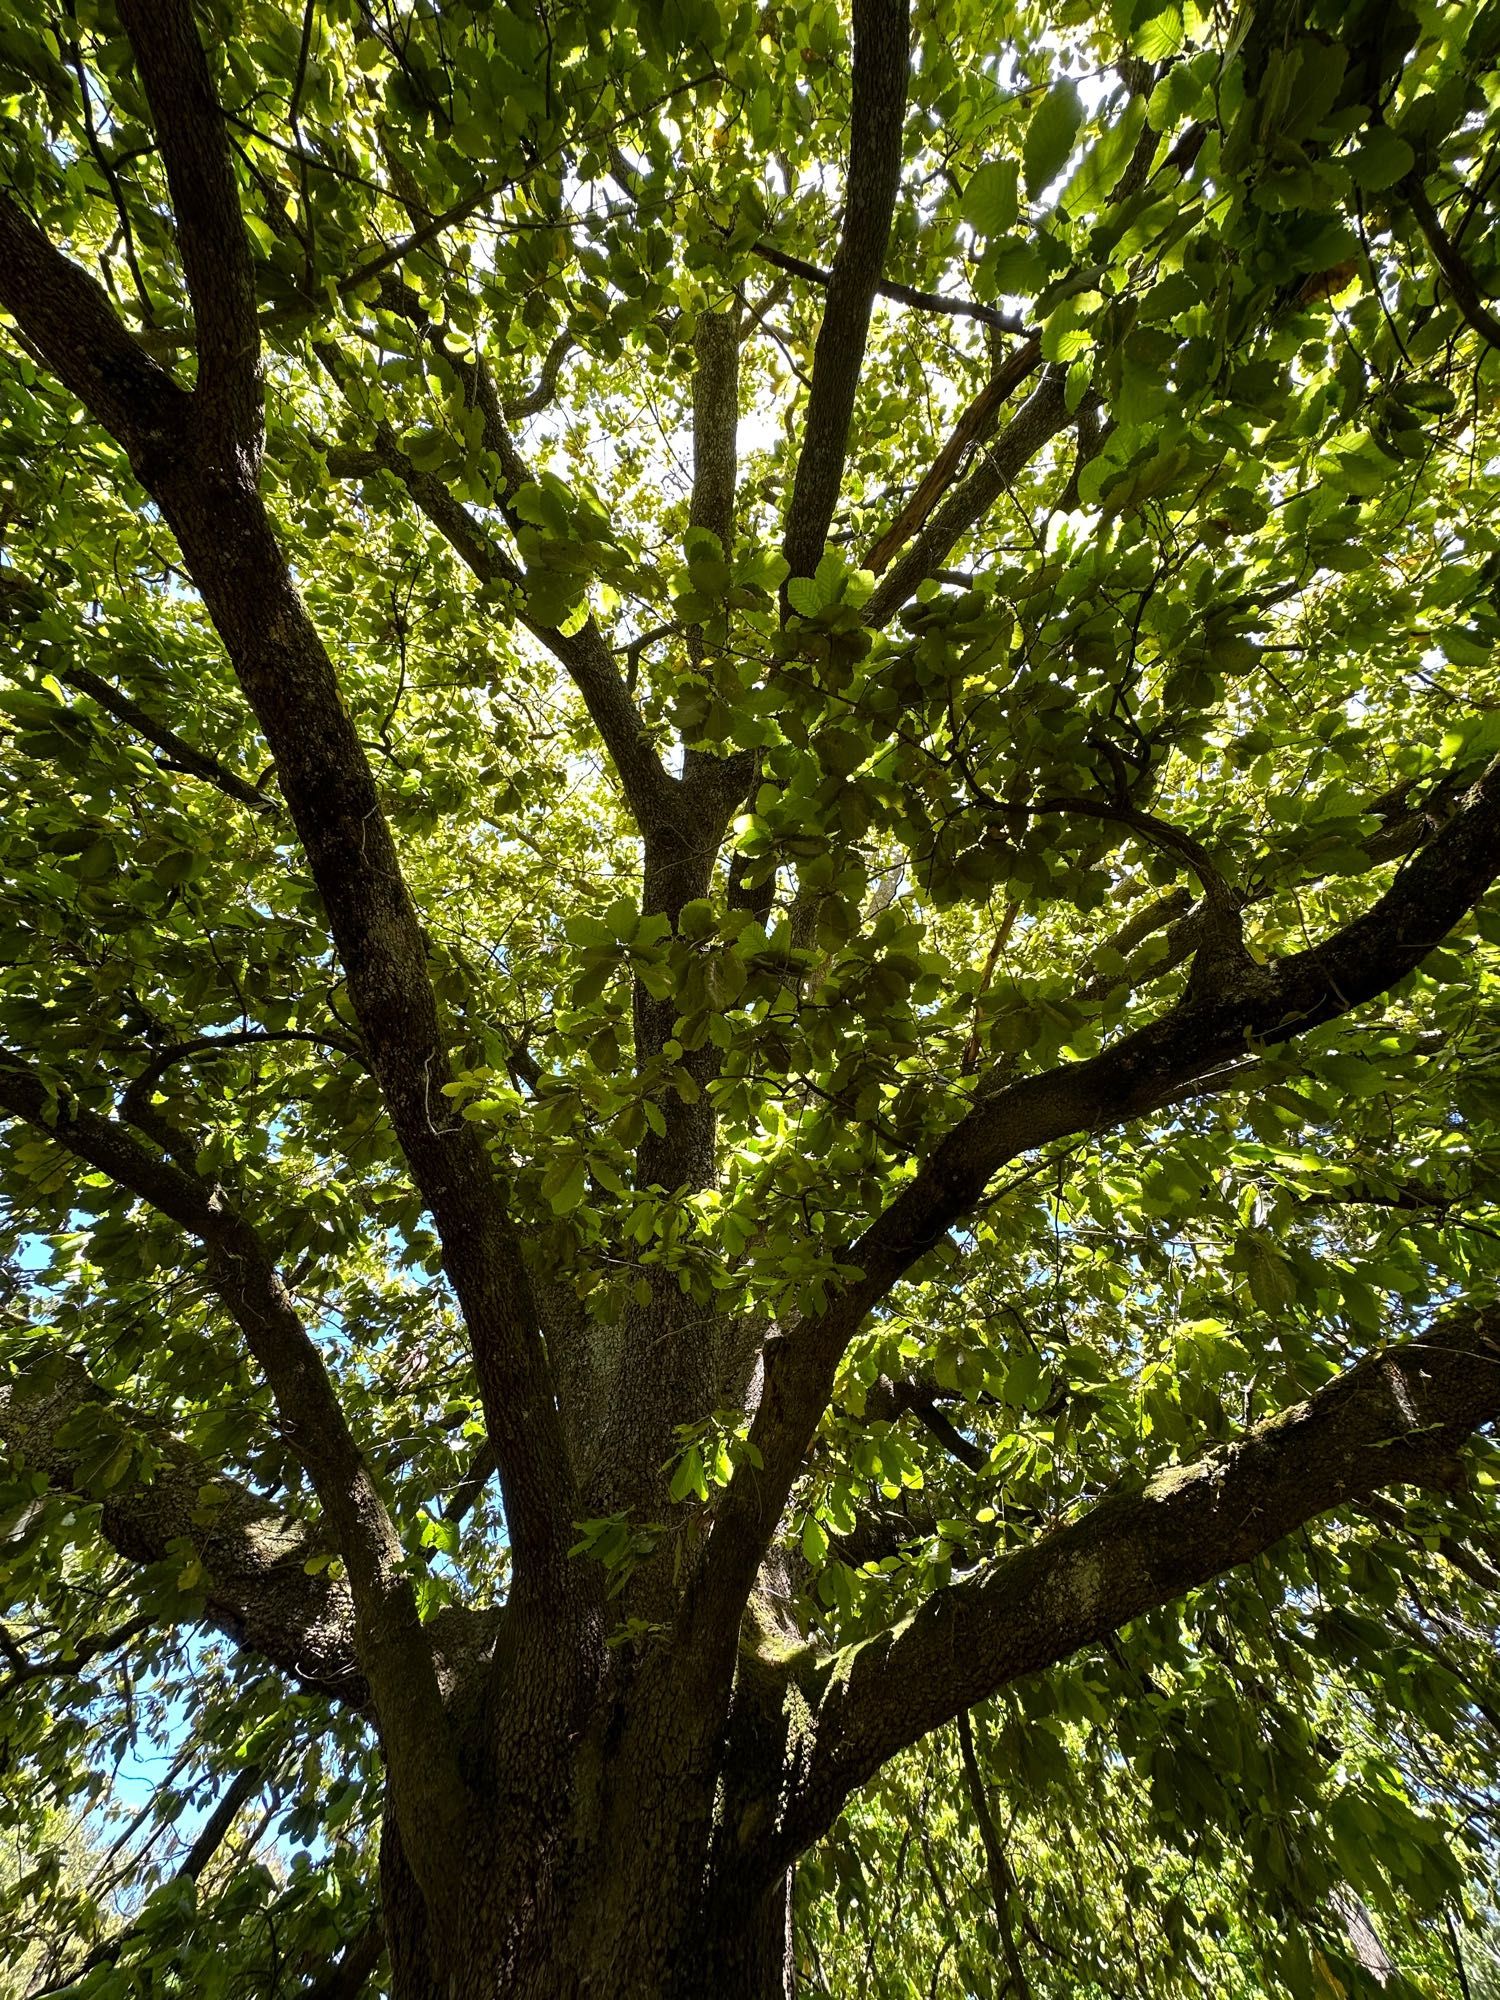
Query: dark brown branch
(649, 791)
(544, 390)
(886, 1400)
(970, 430)
(214, 508)
(78, 1657)
(66, 316)
(1004, 1889)
(227, 405)
(1450, 1548)
(1203, 1037)
(466, 1493)
(211, 1836)
(1450, 261)
(905, 295)
(256, 1589)
(1398, 1417)
(1040, 418)
(177, 753)
(137, 1097)
(347, 1978)
(882, 30)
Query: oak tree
(747, 998)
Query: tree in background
(748, 1016)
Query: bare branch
(905, 295)
(79, 1656)
(882, 31)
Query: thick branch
(716, 417)
(1206, 1033)
(256, 1590)
(227, 406)
(231, 552)
(1396, 1418)
(67, 317)
(882, 30)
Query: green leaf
(1050, 135)
(564, 1183)
(1381, 159)
(992, 198)
(805, 595)
(1158, 34)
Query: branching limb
(1451, 262)
(886, 1400)
(970, 430)
(1397, 1418)
(349, 1976)
(1204, 1036)
(649, 791)
(207, 492)
(68, 318)
(237, 1794)
(177, 753)
(77, 1658)
(1004, 1889)
(392, 1648)
(227, 405)
(256, 1589)
(906, 295)
(882, 31)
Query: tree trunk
(623, 1933)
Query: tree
(747, 996)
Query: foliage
(1153, 640)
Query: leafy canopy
(1154, 631)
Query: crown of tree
(747, 1045)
